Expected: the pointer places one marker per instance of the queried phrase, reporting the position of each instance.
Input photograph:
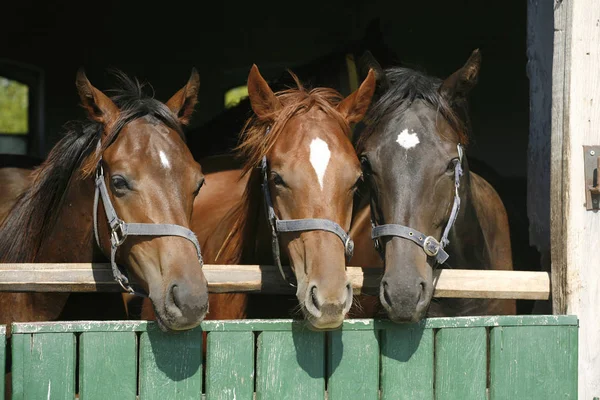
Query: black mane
(403, 87)
(34, 214)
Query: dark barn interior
(161, 42)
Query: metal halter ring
(117, 234)
(349, 248)
(430, 240)
(125, 285)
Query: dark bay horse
(15, 178)
(132, 157)
(424, 201)
(301, 139)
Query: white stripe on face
(164, 160)
(319, 158)
(408, 140)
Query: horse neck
(71, 237)
(257, 235)
(466, 237)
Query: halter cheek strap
(119, 230)
(296, 225)
(429, 244)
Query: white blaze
(164, 160)
(319, 158)
(408, 140)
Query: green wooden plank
(461, 364)
(43, 366)
(18, 351)
(407, 363)
(230, 365)
(2, 359)
(353, 365)
(288, 324)
(170, 364)
(107, 365)
(536, 362)
(290, 366)
(80, 326)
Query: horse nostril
(386, 295)
(313, 298)
(422, 295)
(174, 298)
(421, 291)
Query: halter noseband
(296, 225)
(119, 230)
(429, 244)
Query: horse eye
(278, 180)
(365, 164)
(200, 184)
(358, 182)
(119, 183)
(451, 166)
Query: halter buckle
(431, 246)
(349, 247)
(117, 234)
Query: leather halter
(296, 225)
(429, 244)
(119, 230)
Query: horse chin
(169, 324)
(322, 324)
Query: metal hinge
(591, 165)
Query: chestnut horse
(425, 203)
(298, 145)
(119, 187)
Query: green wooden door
(517, 357)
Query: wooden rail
(88, 277)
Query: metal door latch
(591, 165)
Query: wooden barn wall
(576, 231)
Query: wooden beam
(266, 279)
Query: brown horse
(301, 139)
(132, 155)
(425, 203)
(13, 181)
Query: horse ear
(183, 102)
(354, 107)
(98, 106)
(263, 100)
(368, 62)
(458, 85)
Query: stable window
(234, 95)
(14, 118)
(21, 109)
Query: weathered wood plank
(108, 365)
(533, 362)
(353, 365)
(407, 363)
(266, 279)
(43, 366)
(290, 366)
(461, 364)
(560, 156)
(289, 324)
(170, 364)
(230, 366)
